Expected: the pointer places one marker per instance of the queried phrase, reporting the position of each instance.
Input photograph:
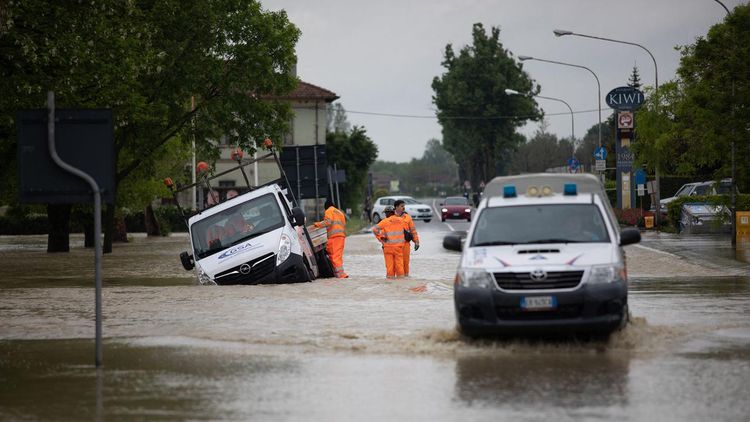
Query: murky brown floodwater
(360, 349)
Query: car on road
(455, 207)
(544, 254)
(416, 209)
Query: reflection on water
(564, 380)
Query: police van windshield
(237, 224)
(551, 223)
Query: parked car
(698, 189)
(701, 217)
(455, 207)
(416, 209)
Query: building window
(289, 137)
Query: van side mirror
(187, 261)
(629, 236)
(453, 242)
(299, 216)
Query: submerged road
(365, 348)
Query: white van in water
(543, 254)
(257, 237)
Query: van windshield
(549, 223)
(237, 224)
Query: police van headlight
(285, 249)
(474, 278)
(607, 274)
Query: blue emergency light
(570, 189)
(509, 191)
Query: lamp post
(732, 185)
(572, 124)
(598, 85)
(657, 193)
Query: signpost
(601, 158)
(625, 100)
(67, 157)
(573, 165)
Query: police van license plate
(534, 303)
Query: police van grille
(259, 268)
(527, 251)
(523, 281)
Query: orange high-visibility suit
(390, 232)
(335, 223)
(407, 245)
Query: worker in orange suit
(390, 232)
(400, 207)
(335, 223)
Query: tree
(689, 129)
(146, 60)
(352, 152)
(634, 81)
(542, 152)
(478, 118)
(337, 121)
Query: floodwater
(365, 348)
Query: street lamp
(572, 124)
(657, 193)
(598, 85)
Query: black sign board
(83, 138)
(305, 167)
(625, 98)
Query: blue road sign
(600, 153)
(573, 164)
(640, 177)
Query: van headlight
(203, 278)
(474, 278)
(285, 249)
(607, 274)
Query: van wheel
(376, 218)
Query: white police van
(257, 237)
(543, 254)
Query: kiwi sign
(625, 98)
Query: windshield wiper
(553, 241)
(495, 243)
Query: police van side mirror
(299, 216)
(187, 261)
(629, 236)
(453, 242)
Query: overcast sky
(381, 56)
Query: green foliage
(434, 172)
(690, 127)
(472, 105)
(353, 152)
(145, 60)
(542, 152)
